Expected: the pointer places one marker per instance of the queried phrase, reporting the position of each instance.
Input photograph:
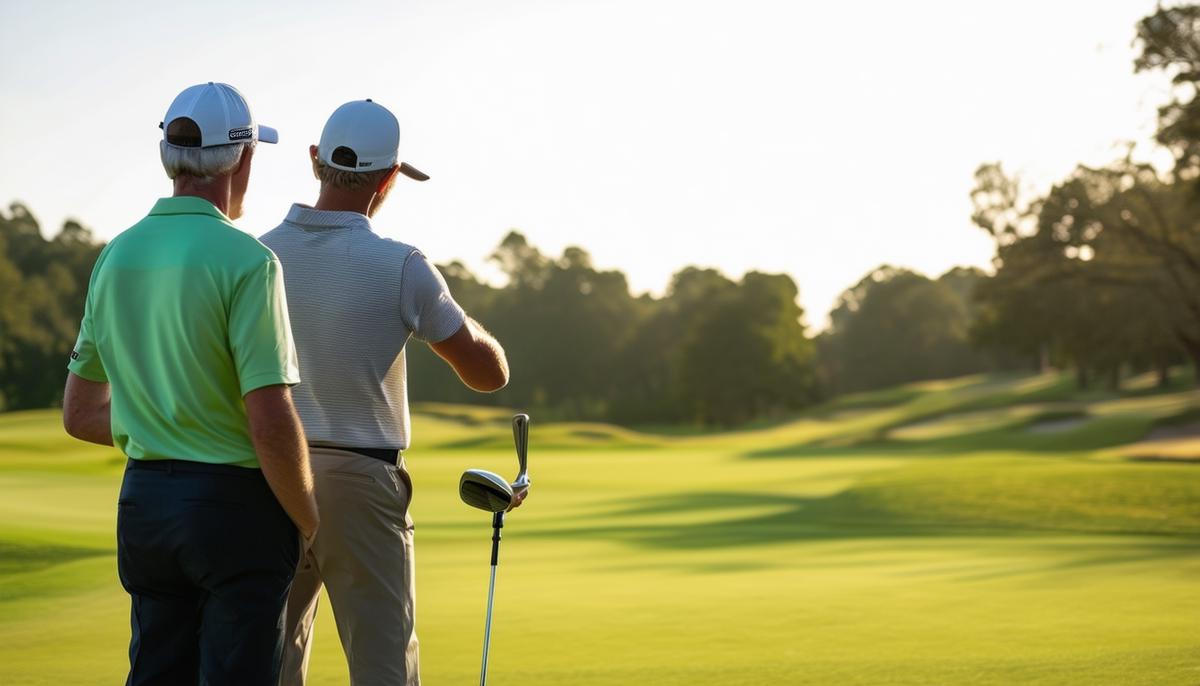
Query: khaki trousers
(363, 554)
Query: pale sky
(819, 139)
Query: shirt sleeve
(85, 358)
(426, 306)
(260, 333)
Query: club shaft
(521, 441)
(497, 525)
(487, 628)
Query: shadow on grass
(1090, 555)
(844, 516)
(794, 518)
(17, 558)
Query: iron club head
(485, 490)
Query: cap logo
(239, 134)
(365, 164)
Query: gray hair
(204, 164)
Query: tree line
(712, 350)
(42, 288)
(1100, 275)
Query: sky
(820, 139)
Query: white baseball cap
(220, 112)
(363, 136)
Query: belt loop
(171, 467)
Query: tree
(523, 264)
(896, 326)
(1170, 42)
(42, 290)
(747, 356)
(1100, 274)
(579, 344)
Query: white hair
(203, 163)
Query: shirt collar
(312, 219)
(187, 204)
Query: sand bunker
(1174, 432)
(1172, 443)
(944, 426)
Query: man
(355, 300)
(183, 361)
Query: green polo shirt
(185, 314)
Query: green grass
(923, 535)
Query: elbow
(493, 382)
(71, 423)
(493, 376)
(501, 382)
(86, 410)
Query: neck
(217, 191)
(341, 200)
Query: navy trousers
(207, 555)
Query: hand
(519, 496)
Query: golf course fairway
(984, 530)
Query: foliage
(581, 346)
(712, 351)
(1170, 42)
(1102, 273)
(896, 326)
(42, 288)
(1103, 278)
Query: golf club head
(485, 490)
(521, 440)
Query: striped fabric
(354, 299)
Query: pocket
(126, 512)
(352, 477)
(402, 489)
(400, 473)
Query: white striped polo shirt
(354, 299)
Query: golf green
(953, 533)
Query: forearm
(283, 456)
(497, 376)
(94, 426)
(87, 410)
(487, 369)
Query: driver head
(485, 490)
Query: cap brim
(412, 172)
(267, 134)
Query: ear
(244, 161)
(312, 155)
(387, 179)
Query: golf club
(485, 490)
(521, 440)
(490, 492)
